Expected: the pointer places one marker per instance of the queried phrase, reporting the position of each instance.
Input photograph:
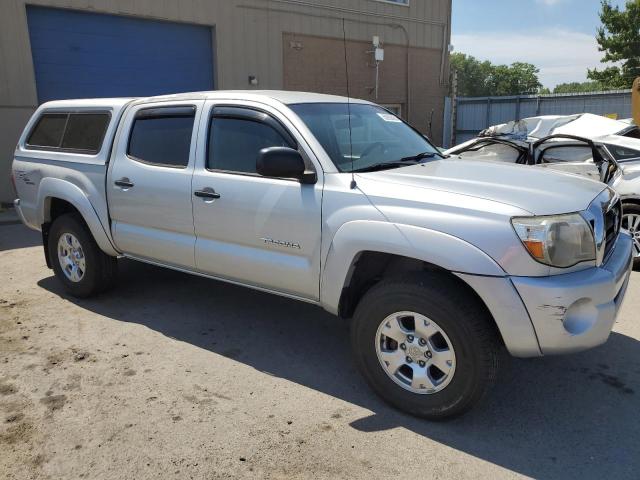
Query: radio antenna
(346, 69)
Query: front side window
(234, 143)
(371, 137)
(498, 152)
(75, 132)
(162, 136)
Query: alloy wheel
(415, 352)
(631, 222)
(71, 257)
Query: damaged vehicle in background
(585, 144)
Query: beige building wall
(250, 39)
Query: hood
(532, 190)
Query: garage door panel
(79, 54)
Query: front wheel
(426, 345)
(79, 264)
(631, 222)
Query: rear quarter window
(48, 131)
(85, 131)
(72, 132)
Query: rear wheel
(78, 263)
(631, 222)
(425, 345)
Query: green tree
(472, 75)
(516, 79)
(578, 87)
(482, 78)
(619, 39)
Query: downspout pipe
(408, 72)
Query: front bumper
(576, 311)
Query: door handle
(123, 183)
(207, 193)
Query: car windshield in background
(380, 139)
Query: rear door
(252, 229)
(149, 182)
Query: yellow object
(612, 116)
(536, 248)
(635, 101)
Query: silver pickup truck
(439, 265)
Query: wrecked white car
(589, 145)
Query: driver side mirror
(284, 162)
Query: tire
(630, 221)
(96, 271)
(463, 322)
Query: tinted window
(234, 143)
(162, 139)
(622, 153)
(85, 131)
(48, 131)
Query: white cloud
(561, 55)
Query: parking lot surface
(176, 376)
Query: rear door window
(569, 153)
(74, 132)
(162, 136)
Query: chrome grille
(612, 222)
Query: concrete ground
(176, 376)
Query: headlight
(556, 240)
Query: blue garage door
(82, 55)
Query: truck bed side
(48, 179)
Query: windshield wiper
(420, 156)
(387, 165)
(403, 162)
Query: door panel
(260, 231)
(150, 197)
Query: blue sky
(558, 36)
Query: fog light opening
(580, 316)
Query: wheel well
(370, 268)
(632, 201)
(54, 207)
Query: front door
(251, 229)
(149, 183)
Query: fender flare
(56, 188)
(438, 248)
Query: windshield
(380, 139)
